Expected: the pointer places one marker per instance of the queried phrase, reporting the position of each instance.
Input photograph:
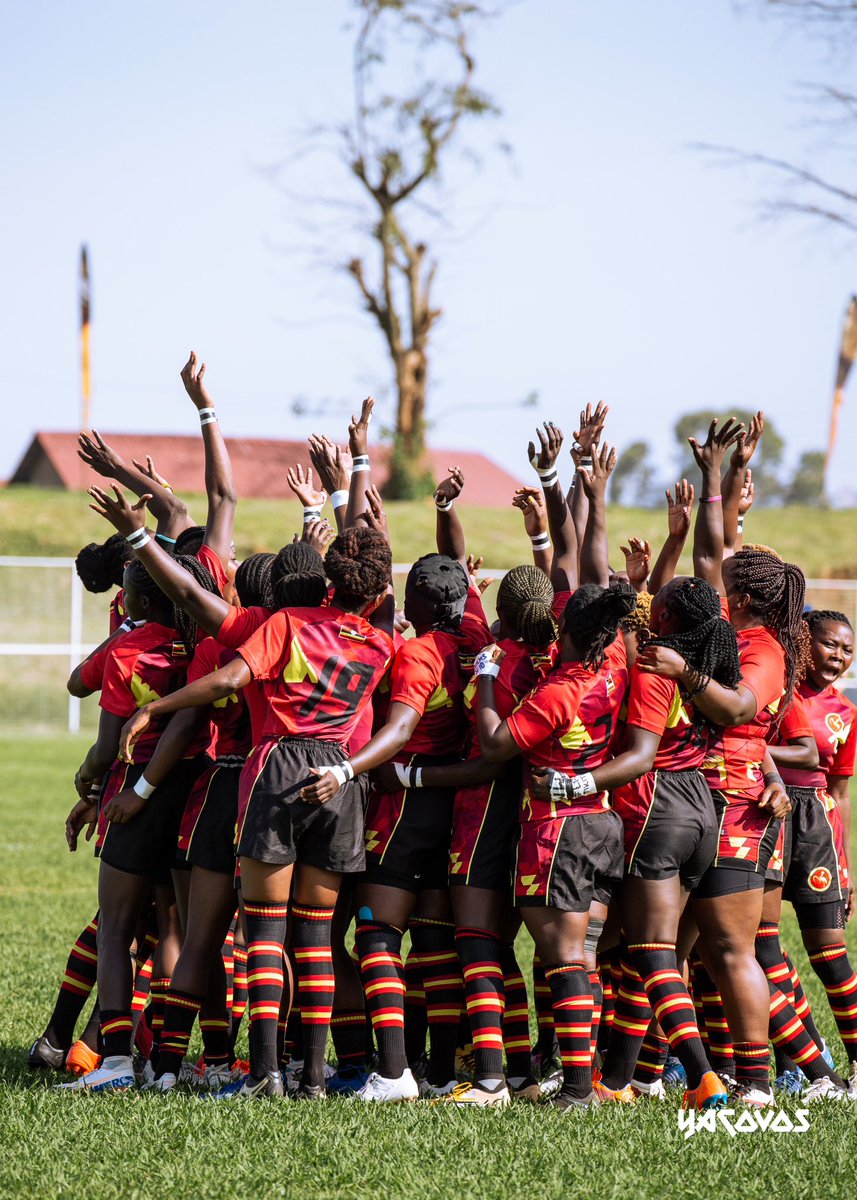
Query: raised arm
(733, 480)
(595, 551)
(207, 609)
(586, 440)
(638, 563)
(219, 482)
(449, 531)
(678, 527)
(329, 465)
(168, 510)
(312, 498)
(543, 459)
(361, 469)
(531, 502)
(708, 531)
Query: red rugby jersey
(324, 665)
(655, 703)
(213, 563)
(829, 718)
(230, 717)
(238, 625)
(735, 754)
(568, 722)
(144, 665)
(430, 673)
(520, 670)
(118, 612)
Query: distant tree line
(639, 480)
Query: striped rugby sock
(316, 984)
(266, 932)
(572, 1018)
(671, 1003)
(383, 975)
(78, 980)
(479, 952)
(434, 941)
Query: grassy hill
(37, 521)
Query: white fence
(48, 623)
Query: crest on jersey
(819, 879)
(838, 729)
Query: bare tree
(807, 189)
(414, 90)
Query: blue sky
(606, 261)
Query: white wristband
(408, 777)
(140, 537)
(442, 504)
(541, 541)
(206, 416)
(547, 475)
(341, 772)
(360, 463)
(311, 514)
(485, 665)
(127, 625)
(585, 463)
(582, 785)
(143, 788)
(740, 524)
(339, 499)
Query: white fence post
(75, 637)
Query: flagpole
(85, 313)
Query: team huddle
(635, 766)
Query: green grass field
(54, 1144)
(47, 522)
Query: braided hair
(821, 616)
(592, 618)
(297, 577)
(185, 626)
(777, 591)
(190, 540)
(253, 581)
(525, 597)
(359, 564)
(100, 565)
(639, 618)
(706, 641)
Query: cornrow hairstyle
(185, 626)
(592, 618)
(100, 565)
(777, 591)
(140, 579)
(297, 577)
(359, 564)
(190, 540)
(707, 641)
(525, 597)
(821, 616)
(253, 581)
(443, 583)
(639, 618)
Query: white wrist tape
(127, 625)
(541, 541)
(360, 463)
(442, 504)
(140, 537)
(571, 787)
(339, 499)
(485, 665)
(342, 772)
(311, 514)
(207, 416)
(143, 788)
(409, 777)
(585, 464)
(740, 524)
(548, 475)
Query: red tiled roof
(259, 464)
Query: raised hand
(680, 509)
(192, 377)
(319, 534)
(710, 454)
(329, 463)
(587, 437)
(450, 488)
(97, 454)
(748, 494)
(302, 486)
(374, 516)
(638, 562)
(149, 471)
(358, 430)
(550, 444)
(595, 479)
(748, 442)
(531, 502)
(474, 566)
(124, 517)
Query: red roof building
(259, 465)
